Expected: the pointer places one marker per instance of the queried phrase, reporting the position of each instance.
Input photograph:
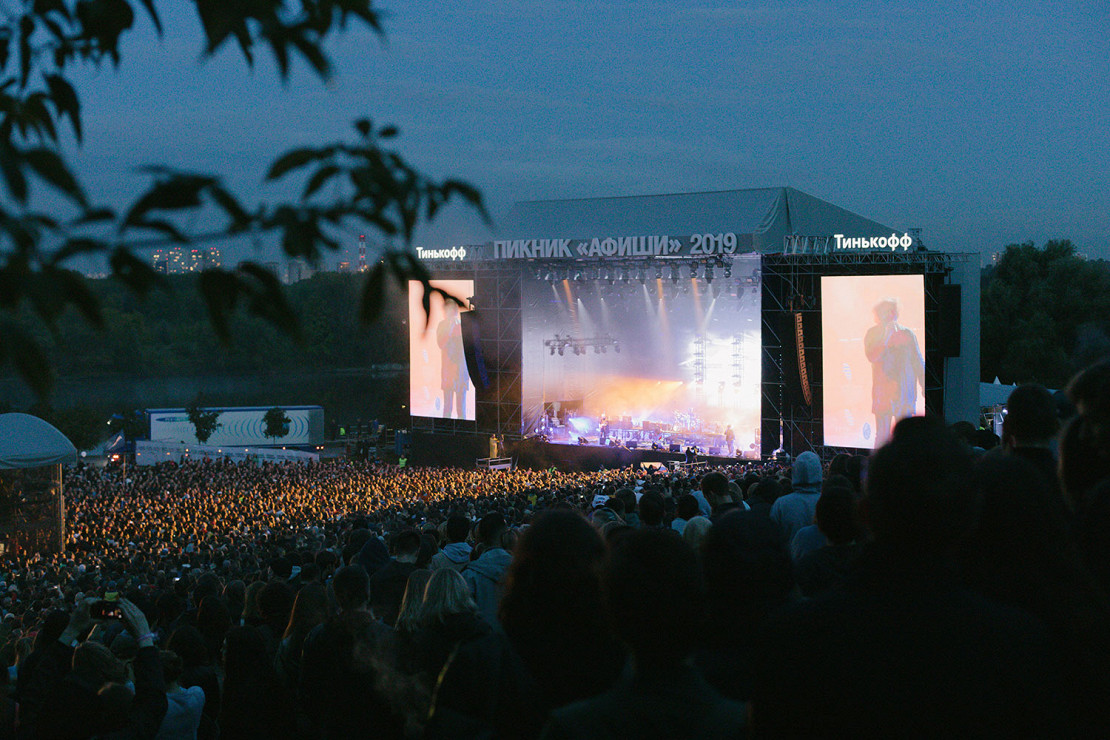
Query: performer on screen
(452, 363)
(897, 369)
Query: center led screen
(873, 349)
(439, 384)
(644, 356)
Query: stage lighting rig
(580, 347)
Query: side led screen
(873, 348)
(439, 384)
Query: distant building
(298, 270)
(343, 266)
(177, 261)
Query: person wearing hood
(486, 576)
(456, 553)
(795, 510)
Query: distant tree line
(1045, 314)
(169, 334)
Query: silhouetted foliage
(277, 423)
(1045, 314)
(373, 187)
(204, 421)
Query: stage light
(553, 350)
(674, 273)
(560, 350)
(709, 273)
(578, 276)
(659, 272)
(624, 274)
(728, 271)
(693, 270)
(641, 276)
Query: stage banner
(598, 247)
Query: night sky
(981, 125)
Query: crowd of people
(933, 588)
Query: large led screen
(873, 349)
(664, 354)
(439, 384)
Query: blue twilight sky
(982, 123)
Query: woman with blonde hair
(412, 603)
(475, 682)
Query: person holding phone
(69, 677)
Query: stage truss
(790, 285)
(497, 300)
(791, 290)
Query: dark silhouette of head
(836, 514)
(1030, 417)
(352, 587)
(747, 570)
(490, 529)
(656, 596)
(457, 529)
(651, 509)
(687, 507)
(919, 497)
(553, 592)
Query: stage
(535, 454)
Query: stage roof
(29, 442)
(768, 214)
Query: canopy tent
(29, 442)
(767, 214)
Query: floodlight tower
(362, 252)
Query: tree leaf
(65, 102)
(163, 227)
(75, 290)
(292, 160)
(240, 219)
(319, 177)
(95, 215)
(134, 272)
(220, 290)
(177, 192)
(75, 246)
(268, 300)
(11, 166)
(149, 5)
(30, 362)
(49, 166)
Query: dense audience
(936, 588)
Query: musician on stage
(730, 439)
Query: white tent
(29, 442)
